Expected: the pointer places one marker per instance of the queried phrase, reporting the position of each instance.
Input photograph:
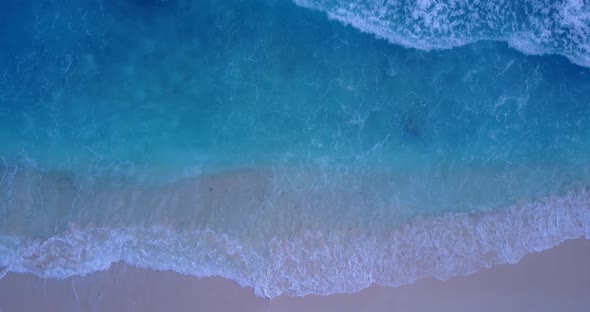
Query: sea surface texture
(297, 147)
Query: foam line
(315, 262)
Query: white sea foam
(531, 26)
(319, 261)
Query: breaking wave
(531, 26)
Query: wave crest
(531, 26)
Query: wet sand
(557, 279)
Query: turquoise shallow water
(250, 134)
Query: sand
(557, 279)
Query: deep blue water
(276, 127)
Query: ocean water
(306, 146)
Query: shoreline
(551, 280)
(312, 262)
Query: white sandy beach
(557, 279)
